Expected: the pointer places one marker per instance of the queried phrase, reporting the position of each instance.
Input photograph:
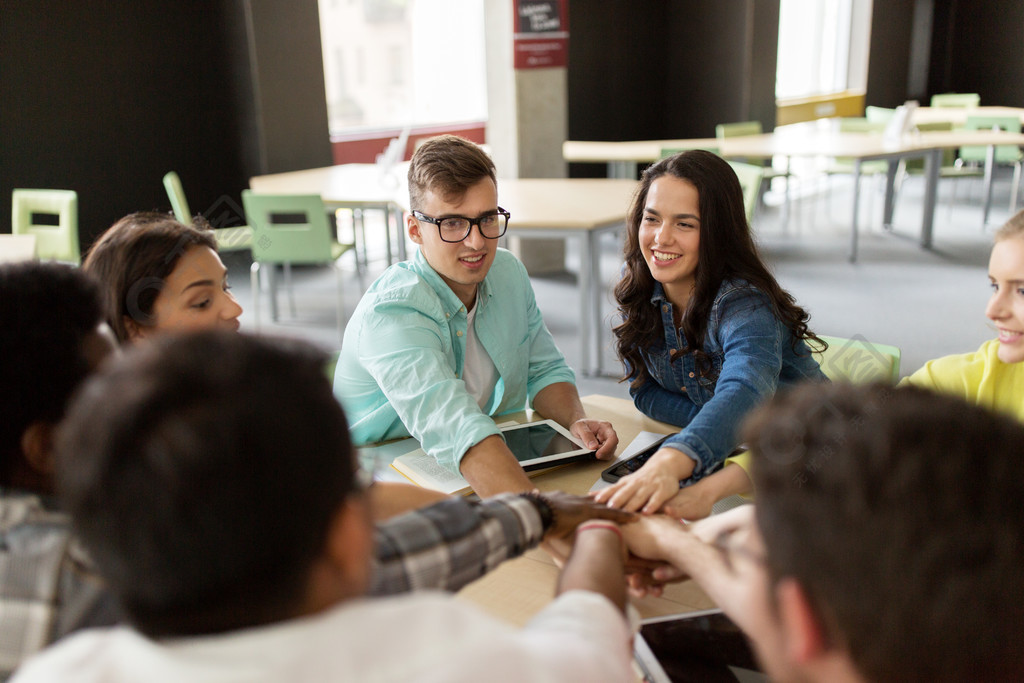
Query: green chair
(290, 229)
(845, 165)
(949, 167)
(750, 177)
(743, 128)
(1004, 154)
(960, 100)
(56, 237)
(858, 360)
(235, 238)
(879, 114)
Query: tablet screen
(702, 646)
(541, 445)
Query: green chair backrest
(1005, 154)
(750, 177)
(288, 228)
(948, 153)
(956, 99)
(860, 124)
(879, 114)
(740, 128)
(176, 193)
(858, 360)
(56, 239)
(672, 151)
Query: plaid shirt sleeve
(452, 543)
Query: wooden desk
(958, 115)
(563, 208)
(818, 138)
(520, 588)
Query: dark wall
(105, 98)
(663, 69)
(984, 51)
(972, 47)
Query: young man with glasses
(453, 336)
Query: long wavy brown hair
(726, 250)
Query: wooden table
(958, 115)
(563, 208)
(810, 139)
(520, 588)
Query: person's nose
(475, 239)
(232, 309)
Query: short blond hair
(1011, 228)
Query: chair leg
(291, 289)
(254, 280)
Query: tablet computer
(704, 646)
(544, 444)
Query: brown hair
(898, 512)
(447, 165)
(726, 250)
(133, 258)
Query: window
(399, 63)
(823, 47)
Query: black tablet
(697, 647)
(543, 444)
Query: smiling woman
(706, 332)
(993, 375)
(160, 275)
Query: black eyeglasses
(457, 228)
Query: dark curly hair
(727, 250)
(46, 311)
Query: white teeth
(662, 256)
(472, 259)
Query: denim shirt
(400, 368)
(749, 354)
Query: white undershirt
(478, 371)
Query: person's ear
(804, 635)
(350, 543)
(413, 227)
(134, 330)
(37, 447)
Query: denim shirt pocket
(708, 372)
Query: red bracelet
(601, 525)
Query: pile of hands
(661, 549)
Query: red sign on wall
(541, 38)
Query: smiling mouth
(475, 258)
(1009, 335)
(664, 257)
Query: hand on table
(598, 435)
(652, 485)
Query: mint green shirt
(400, 369)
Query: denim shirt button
(691, 375)
(664, 308)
